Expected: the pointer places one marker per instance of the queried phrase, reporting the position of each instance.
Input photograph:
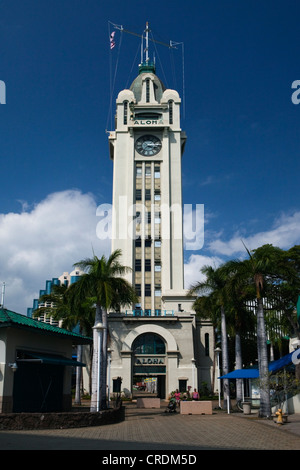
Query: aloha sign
(139, 361)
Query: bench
(196, 408)
(148, 402)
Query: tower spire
(146, 65)
(147, 42)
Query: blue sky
(242, 154)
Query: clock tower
(146, 148)
(160, 341)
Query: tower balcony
(149, 313)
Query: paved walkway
(153, 429)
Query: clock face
(148, 145)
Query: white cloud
(44, 242)
(285, 233)
(192, 273)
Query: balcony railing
(149, 313)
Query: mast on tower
(146, 65)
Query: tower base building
(160, 353)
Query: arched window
(149, 343)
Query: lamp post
(99, 328)
(193, 374)
(218, 351)
(109, 351)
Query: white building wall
(179, 334)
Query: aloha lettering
(148, 122)
(149, 360)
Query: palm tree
(214, 285)
(286, 294)
(261, 271)
(102, 282)
(241, 318)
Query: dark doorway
(145, 386)
(182, 385)
(38, 388)
(161, 386)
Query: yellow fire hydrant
(279, 416)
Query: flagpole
(147, 43)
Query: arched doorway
(149, 365)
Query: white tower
(162, 339)
(146, 148)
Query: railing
(149, 313)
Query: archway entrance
(149, 366)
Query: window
(157, 218)
(147, 290)
(149, 343)
(157, 194)
(156, 172)
(148, 242)
(138, 173)
(138, 217)
(157, 243)
(206, 344)
(138, 265)
(117, 385)
(149, 217)
(148, 171)
(170, 112)
(138, 242)
(157, 267)
(138, 289)
(182, 385)
(125, 119)
(147, 264)
(147, 90)
(138, 194)
(148, 195)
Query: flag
(112, 40)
